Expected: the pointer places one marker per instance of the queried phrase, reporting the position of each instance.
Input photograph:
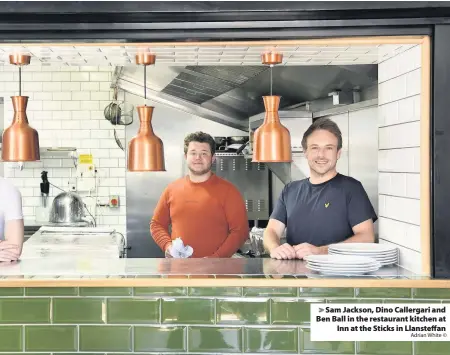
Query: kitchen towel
(179, 250)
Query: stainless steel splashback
(251, 179)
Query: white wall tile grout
(399, 154)
(66, 107)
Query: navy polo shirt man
(325, 208)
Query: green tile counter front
(190, 320)
(92, 306)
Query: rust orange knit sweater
(209, 216)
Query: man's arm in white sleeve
(14, 225)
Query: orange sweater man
(204, 210)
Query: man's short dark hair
(200, 137)
(327, 125)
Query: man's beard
(201, 172)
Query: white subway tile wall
(66, 107)
(399, 155)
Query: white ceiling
(204, 55)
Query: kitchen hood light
(272, 141)
(20, 140)
(145, 150)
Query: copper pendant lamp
(272, 140)
(145, 150)
(20, 140)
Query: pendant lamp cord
(271, 68)
(145, 85)
(20, 80)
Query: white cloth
(10, 204)
(179, 250)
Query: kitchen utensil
(45, 188)
(220, 141)
(238, 139)
(68, 209)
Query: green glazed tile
(204, 339)
(51, 338)
(270, 291)
(215, 291)
(383, 292)
(105, 291)
(24, 310)
(133, 310)
(432, 348)
(242, 311)
(11, 291)
(77, 310)
(51, 291)
(429, 293)
(167, 339)
(196, 310)
(291, 311)
(160, 291)
(326, 292)
(271, 340)
(410, 301)
(323, 347)
(11, 338)
(385, 348)
(105, 338)
(355, 300)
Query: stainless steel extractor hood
(231, 94)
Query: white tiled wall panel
(400, 208)
(399, 87)
(401, 64)
(399, 184)
(399, 160)
(403, 135)
(66, 106)
(409, 258)
(406, 110)
(399, 154)
(400, 232)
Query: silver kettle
(67, 208)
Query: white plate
(368, 253)
(343, 271)
(363, 247)
(381, 260)
(373, 256)
(338, 273)
(344, 267)
(333, 259)
(348, 266)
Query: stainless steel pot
(67, 208)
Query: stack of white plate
(341, 264)
(384, 253)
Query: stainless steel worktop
(95, 268)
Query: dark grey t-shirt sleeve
(279, 212)
(360, 208)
